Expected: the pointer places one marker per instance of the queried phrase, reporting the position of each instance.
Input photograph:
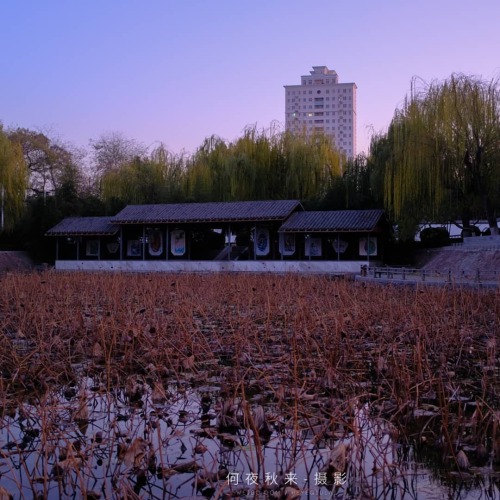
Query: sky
(179, 71)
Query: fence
(434, 276)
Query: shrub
(434, 237)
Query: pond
(148, 441)
(232, 387)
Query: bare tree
(113, 150)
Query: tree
(50, 163)
(446, 151)
(13, 181)
(264, 164)
(113, 150)
(156, 178)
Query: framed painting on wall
(134, 248)
(287, 244)
(313, 247)
(92, 248)
(368, 246)
(262, 241)
(155, 242)
(178, 242)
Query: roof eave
(200, 221)
(328, 230)
(81, 233)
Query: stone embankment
(480, 253)
(475, 262)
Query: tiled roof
(207, 212)
(73, 226)
(340, 220)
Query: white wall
(320, 267)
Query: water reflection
(145, 440)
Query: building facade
(253, 236)
(323, 105)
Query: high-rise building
(321, 104)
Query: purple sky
(180, 71)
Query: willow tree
(153, 178)
(314, 162)
(13, 182)
(446, 150)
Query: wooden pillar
(167, 242)
(255, 243)
(229, 242)
(143, 242)
(368, 250)
(121, 243)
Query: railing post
(449, 275)
(423, 274)
(404, 273)
(478, 277)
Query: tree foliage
(263, 165)
(13, 181)
(50, 164)
(155, 178)
(446, 151)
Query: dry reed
(295, 357)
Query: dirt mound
(15, 261)
(460, 259)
